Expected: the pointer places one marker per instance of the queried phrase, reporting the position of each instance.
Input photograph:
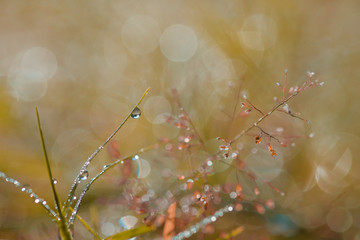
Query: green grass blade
(64, 231)
(88, 227)
(131, 233)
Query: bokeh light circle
(140, 34)
(156, 109)
(258, 32)
(178, 43)
(263, 165)
(339, 219)
(40, 63)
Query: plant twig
(193, 129)
(252, 105)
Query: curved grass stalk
(64, 230)
(108, 167)
(71, 194)
(32, 194)
(131, 233)
(88, 227)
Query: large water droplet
(84, 174)
(136, 113)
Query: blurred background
(85, 64)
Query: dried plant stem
(93, 155)
(193, 129)
(252, 105)
(264, 117)
(64, 231)
(88, 185)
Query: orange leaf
(169, 227)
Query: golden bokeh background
(85, 64)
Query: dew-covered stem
(210, 219)
(25, 188)
(64, 231)
(93, 155)
(107, 168)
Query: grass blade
(64, 231)
(87, 226)
(131, 233)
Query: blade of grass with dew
(88, 227)
(109, 166)
(32, 194)
(131, 233)
(64, 231)
(70, 199)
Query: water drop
(136, 113)
(135, 157)
(37, 200)
(233, 195)
(84, 174)
(213, 218)
(44, 202)
(106, 166)
(23, 189)
(54, 181)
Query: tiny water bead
(54, 181)
(106, 166)
(84, 174)
(136, 113)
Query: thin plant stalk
(25, 188)
(88, 227)
(108, 167)
(93, 155)
(64, 231)
(131, 233)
